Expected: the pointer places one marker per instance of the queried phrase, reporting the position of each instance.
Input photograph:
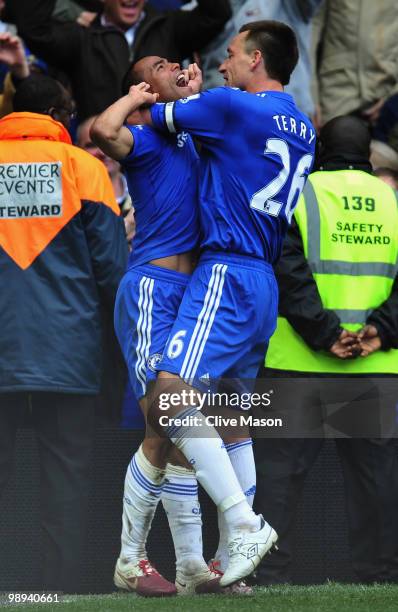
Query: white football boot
(246, 549)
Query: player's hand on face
(369, 340)
(346, 346)
(140, 94)
(195, 79)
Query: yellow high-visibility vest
(348, 220)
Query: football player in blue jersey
(257, 151)
(162, 175)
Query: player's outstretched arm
(108, 131)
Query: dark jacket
(62, 254)
(97, 58)
(300, 302)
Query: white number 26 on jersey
(266, 199)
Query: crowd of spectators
(348, 66)
(342, 70)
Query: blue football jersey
(162, 177)
(257, 151)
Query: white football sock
(213, 469)
(180, 501)
(242, 459)
(142, 489)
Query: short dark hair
(37, 94)
(278, 45)
(132, 77)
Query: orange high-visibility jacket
(62, 254)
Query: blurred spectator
(4, 17)
(338, 318)
(119, 182)
(382, 155)
(4, 27)
(297, 14)
(97, 57)
(16, 64)
(388, 176)
(113, 402)
(167, 5)
(386, 126)
(356, 49)
(84, 11)
(385, 135)
(12, 55)
(63, 252)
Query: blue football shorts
(226, 318)
(146, 307)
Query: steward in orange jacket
(62, 251)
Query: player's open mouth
(181, 80)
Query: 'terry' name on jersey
(290, 124)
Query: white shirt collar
(128, 34)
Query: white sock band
(230, 501)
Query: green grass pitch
(323, 598)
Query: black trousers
(370, 471)
(64, 427)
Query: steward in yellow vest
(338, 271)
(337, 274)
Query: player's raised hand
(195, 79)
(12, 53)
(141, 95)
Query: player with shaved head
(162, 174)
